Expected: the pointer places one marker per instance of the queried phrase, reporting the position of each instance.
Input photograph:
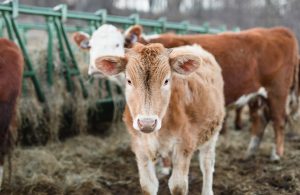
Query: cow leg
(238, 118)
(178, 182)
(277, 112)
(207, 164)
(259, 119)
(148, 179)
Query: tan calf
(175, 106)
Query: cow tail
(294, 95)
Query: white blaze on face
(107, 40)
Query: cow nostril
(154, 123)
(140, 124)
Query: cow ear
(111, 65)
(184, 63)
(133, 33)
(82, 40)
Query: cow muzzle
(146, 124)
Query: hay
(64, 114)
(72, 167)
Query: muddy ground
(88, 165)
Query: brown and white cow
(106, 40)
(11, 69)
(175, 106)
(257, 61)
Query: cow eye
(129, 82)
(166, 82)
(117, 45)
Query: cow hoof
(274, 156)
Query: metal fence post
(103, 15)
(31, 73)
(163, 21)
(50, 59)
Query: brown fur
(11, 69)
(249, 60)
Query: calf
(175, 106)
(254, 62)
(11, 69)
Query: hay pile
(70, 167)
(63, 114)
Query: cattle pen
(68, 131)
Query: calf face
(107, 40)
(148, 71)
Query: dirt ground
(92, 165)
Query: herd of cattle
(177, 89)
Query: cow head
(107, 40)
(148, 70)
(133, 35)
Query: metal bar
(1, 27)
(42, 11)
(62, 55)
(8, 25)
(74, 71)
(27, 74)
(34, 79)
(50, 64)
(39, 26)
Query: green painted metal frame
(102, 16)
(14, 34)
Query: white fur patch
(244, 99)
(107, 40)
(207, 163)
(166, 170)
(253, 146)
(274, 155)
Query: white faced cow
(107, 40)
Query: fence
(55, 19)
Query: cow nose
(147, 125)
